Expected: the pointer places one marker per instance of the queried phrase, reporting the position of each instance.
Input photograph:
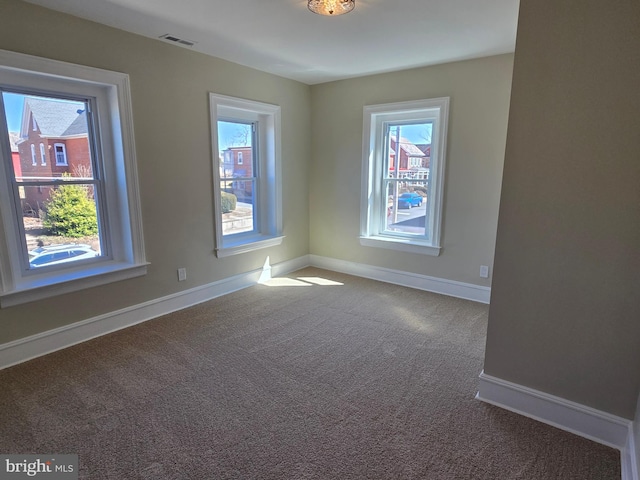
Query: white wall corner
(467, 291)
(573, 417)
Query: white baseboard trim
(43, 343)
(573, 417)
(633, 447)
(443, 286)
(289, 266)
(630, 459)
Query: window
(34, 160)
(401, 205)
(247, 198)
(61, 154)
(43, 155)
(89, 109)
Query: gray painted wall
(565, 308)
(479, 91)
(170, 88)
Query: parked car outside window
(55, 254)
(409, 199)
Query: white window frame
(43, 155)
(65, 162)
(34, 158)
(373, 202)
(110, 92)
(240, 159)
(268, 198)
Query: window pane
(237, 175)
(413, 151)
(50, 142)
(49, 137)
(60, 224)
(407, 171)
(238, 212)
(406, 208)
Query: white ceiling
(283, 37)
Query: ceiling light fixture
(331, 7)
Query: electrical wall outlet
(182, 274)
(484, 271)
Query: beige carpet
(317, 376)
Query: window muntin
(403, 175)
(112, 169)
(257, 178)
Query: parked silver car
(55, 254)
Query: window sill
(247, 245)
(401, 245)
(33, 289)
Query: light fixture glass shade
(331, 7)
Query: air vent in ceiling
(175, 39)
